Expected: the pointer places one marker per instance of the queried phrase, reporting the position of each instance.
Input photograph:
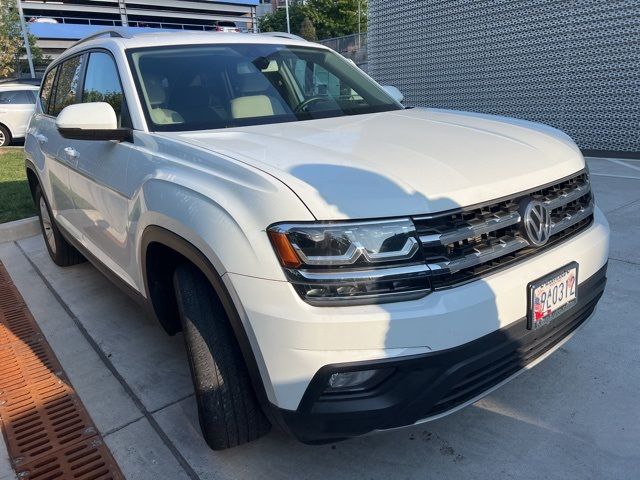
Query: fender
(155, 234)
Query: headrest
(155, 91)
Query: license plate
(552, 295)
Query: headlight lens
(355, 262)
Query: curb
(12, 231)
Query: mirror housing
(394, 93)
(91, 121)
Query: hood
(405, 162)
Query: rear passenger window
(66, 88)
(16, 97)
(45, 91)
(102, 83)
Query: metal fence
(350, 46)
(573, 64)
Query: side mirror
(91, 121)
(394, 93)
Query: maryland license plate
(552, 295)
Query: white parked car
(338, 263)
(229, 27)
(17, 103)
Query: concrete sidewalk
(576, 415)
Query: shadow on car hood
(405, 162)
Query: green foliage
(112, 98)
(336, 18)
(329, 18)
(11, 42)
(308, 30)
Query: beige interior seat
(157, 96)
(259, 98)
(252, 106)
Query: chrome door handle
(71, 152)
(41, 138)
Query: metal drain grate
(48, 432)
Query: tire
(5, 136)
(61, 252)
(228, 410)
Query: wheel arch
(32, 179)
(161, 298)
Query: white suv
(337, 263)
(17, 103)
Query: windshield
(221, 86)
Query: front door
(98, 175)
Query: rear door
(60, 88)
(16, 108)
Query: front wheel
(228, 410)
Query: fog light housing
(356, 381)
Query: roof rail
(112, 32)
(290, 36)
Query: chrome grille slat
(492, 224)
(460, 245)
(568, 197)
(572, 219)
(480, 256)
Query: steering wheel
(309, 101)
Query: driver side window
(102, 84)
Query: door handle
(71, 152)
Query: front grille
(464, 244)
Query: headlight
(352, 263)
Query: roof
(135, 38)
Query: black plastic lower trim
(432, 384)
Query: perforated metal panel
(571, 64)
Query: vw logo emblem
(537, 223)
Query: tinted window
(102, 83)
(16, 97)
(45, 91)
(220, 86)
(66, 87)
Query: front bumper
(292, 340)
(432, 384)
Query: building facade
(59, 23)
(573, 64)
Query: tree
(11, 42)
(277, 21)
(329, 18)
(336, 18)
(307, 30)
